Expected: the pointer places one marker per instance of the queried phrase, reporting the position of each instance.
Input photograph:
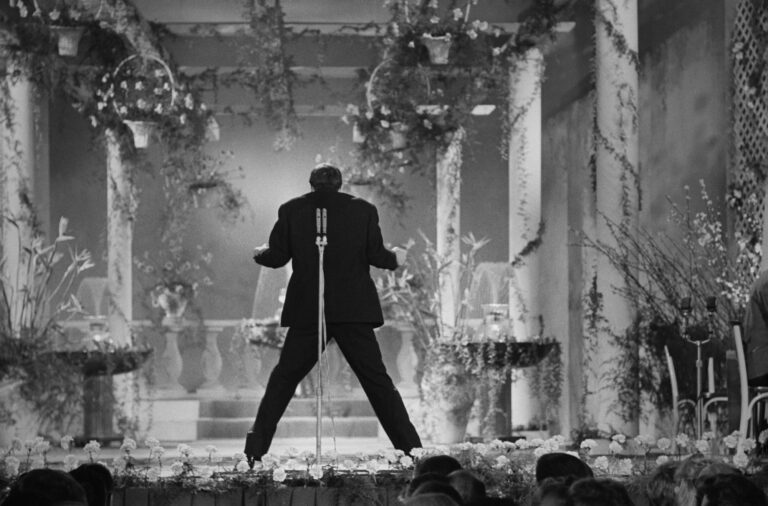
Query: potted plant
(66, 21)
(446, 386)
(142, 92)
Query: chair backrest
(673, 382)
(93, 295)
(742, 362)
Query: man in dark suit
(352, 308)
(756, 333)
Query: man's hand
(400, 254)
(258, 249)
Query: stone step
(230, 408)
(290, 427)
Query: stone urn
(172, 299)
(449, 394)
(67, 39)
(142, 132)
(439, 47)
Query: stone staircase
(193, 419)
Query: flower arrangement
(56, 13)
(140, 89)
(261, 332)
(506, 468)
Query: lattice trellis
(750, 121)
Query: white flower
(23, 12)
(411, 44)
(624, 467)
(189, 103)
(748, 444)
(123, 110)
(37, 464)
(472, 34)
(55, 14)
(269, 460)
(156, 452)
(316, 472)
(12, 465)
(353, 110)
(662, 459)
(615, 447)
(501, 462)
(601, 464)
(740, 460)
(74, 14)
(707, 436)
(417, 453)
(153, 474)
(619, 438)
(151, 442)
(663, 443)
(184, 450)
(159, 109)
(242, 466)
(427, 124)
(211, 449)
(139, 85)
(124, 85)
(142, 104)
(384, 123)
(541, 450)
(369, 114)
(457, 14)
(682, 440)
(66, 441)
(496, 51)
(644, 441)
(432, 4)
(41, 446)
(406, 461)
(177, 467)
(128, 445)
(702, 446)
(483, 26)
(763, 437)
(119, 463)
(71, 462)
(92, 447)
(16, 445)
(588, 444)
(279, 475)
(434, 20)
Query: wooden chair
(750, 396)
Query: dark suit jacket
(354, 244)
(756, 328)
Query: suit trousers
(357, 343)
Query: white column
(617, 144)
(18, 181)
(448, 242)
(524, 213)
(120, 215)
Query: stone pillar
(17, 180)
(524, 214)
(211, 361)
(448, 242)
(120, 215)
(171, 362)
(617, 182)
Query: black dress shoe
(252, 452)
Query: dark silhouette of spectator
(558, 464)
(470, 487)
(419, 480)
(436, 487)
(45, 487)
(660, 488)
(97, 482)
(716, 468)
(729, 490)
(552, 492)
(685, 478)
(430, 500)
(441, 464)
(598, 492)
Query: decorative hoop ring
(370, 97)
(156, 59)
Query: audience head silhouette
(419, 480)
(470, 487)
(729, 490)
(440, 464)
(598, 492)
(552, 492)
(431, 499)
(685, 477)
(325, 177)
(660, 488)
(557, 465)
(438, 487)
(97, 482)
(45, 487)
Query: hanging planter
(439, 47)
(143, 92)
(67, 39)
(142, 132)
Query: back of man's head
(599, 492)
(97, 482)
(560, 465)
(325, 177)
(729, 490)
(45, 487)
(436, 487)
(660, 488)
(441, 464)
(470, 487)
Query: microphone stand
(321, 220)
(685, 309)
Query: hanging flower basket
(68, 39)
(439, 47)
(142, 132)
(143, 92)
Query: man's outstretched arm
(278, 252)
(378, 255)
